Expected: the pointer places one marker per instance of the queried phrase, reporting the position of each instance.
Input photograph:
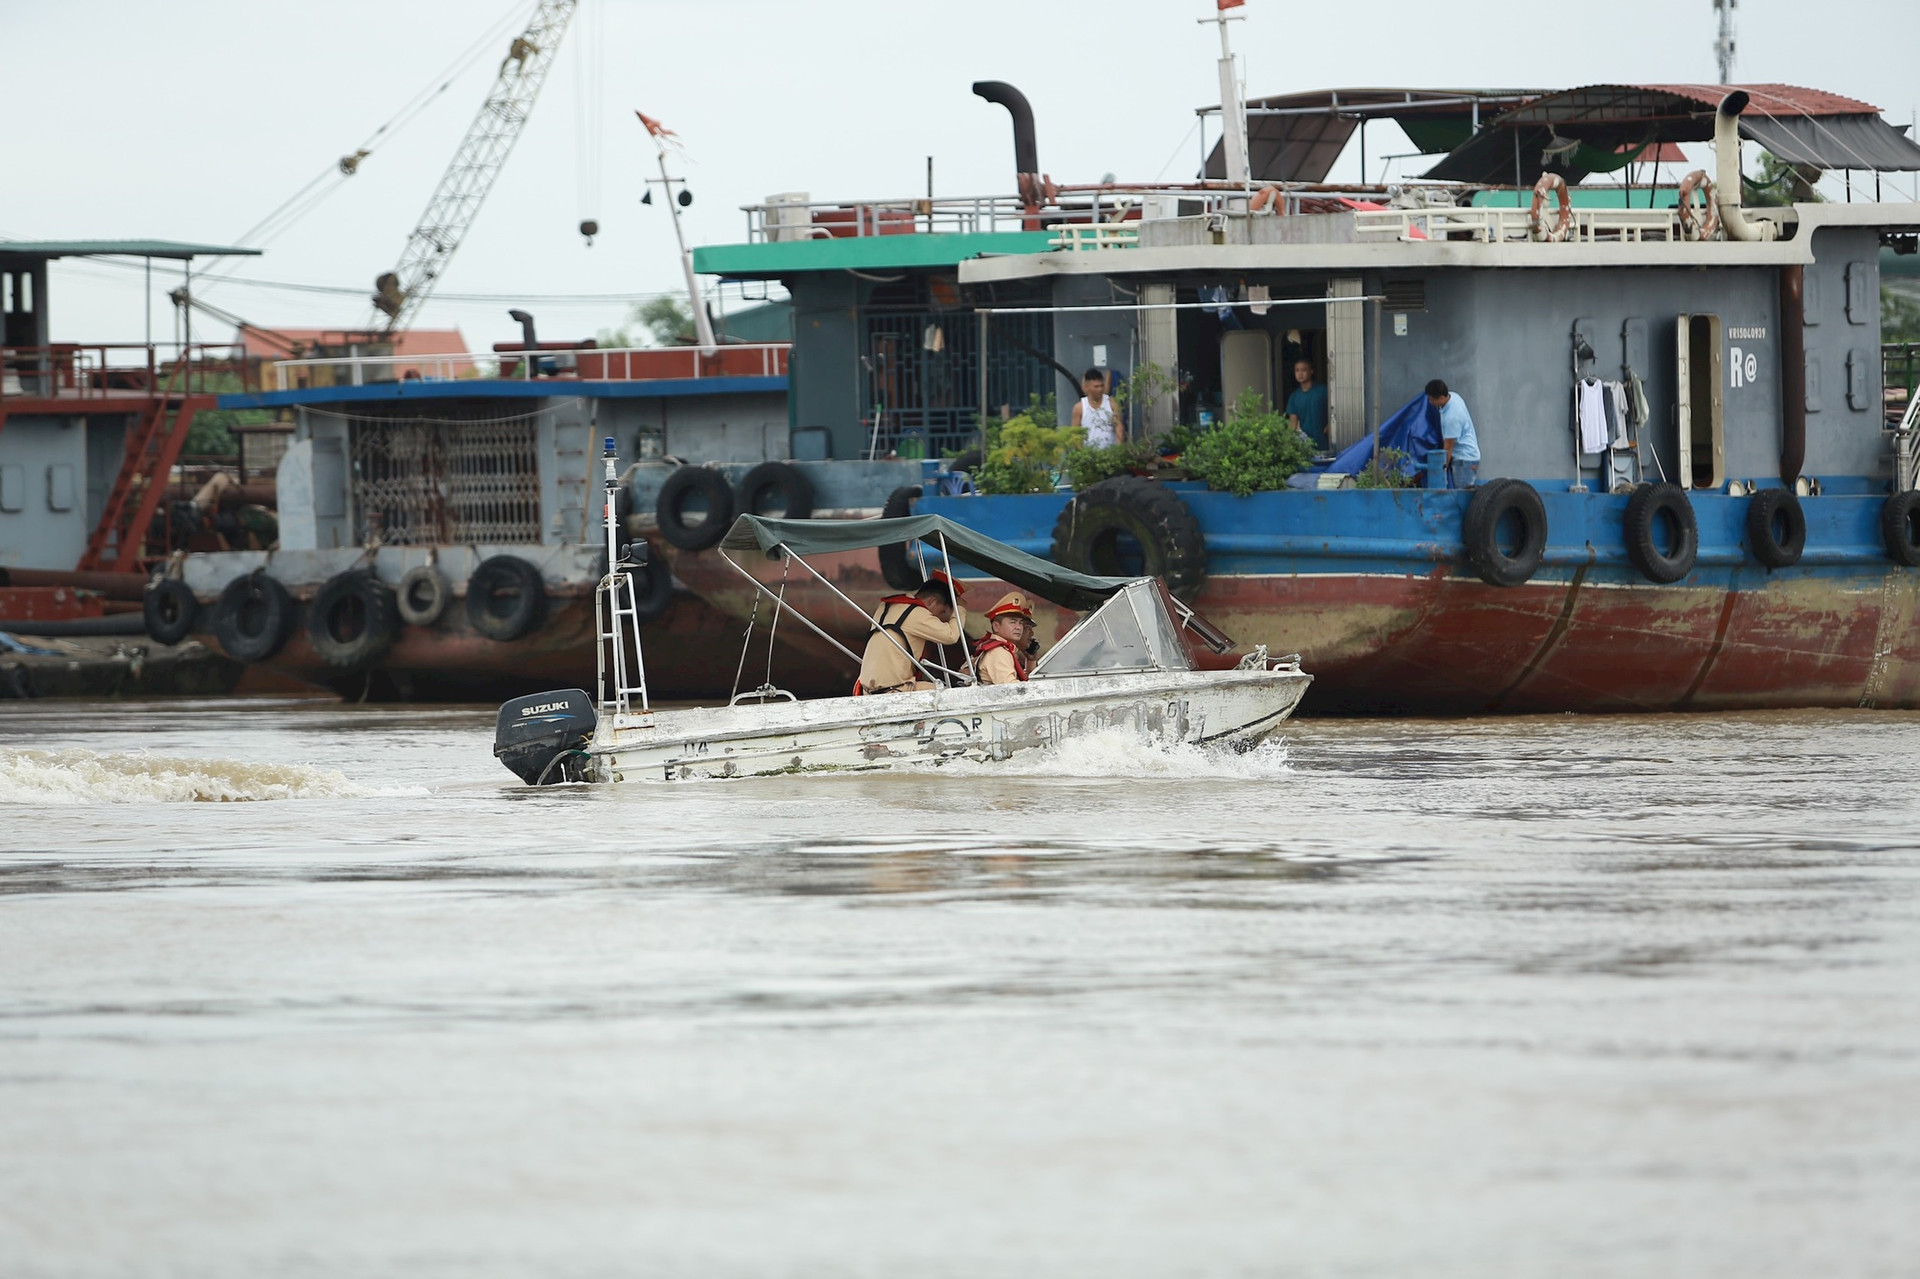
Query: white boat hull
(1230, 709)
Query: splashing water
(89, 777)
(1120, 754)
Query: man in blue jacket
(1456, 435)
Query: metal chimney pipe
(1026, 153)
(1726, 182)
(526, 329)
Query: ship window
(1857, 311)
(1700, 418)
(13, 489)
(1130, 632)
(60, 487)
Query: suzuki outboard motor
(541, 738)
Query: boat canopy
(1063, 586)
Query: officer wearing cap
(1001, 655)
(907, 624)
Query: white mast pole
(702, 326)
(1233, 108)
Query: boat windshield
(1130, 632)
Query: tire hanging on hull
(1505, 532)
(253, 616)
(1776, 527)
(353, 621)
(1659, 560)
(506, 599)
(1900, 528)
(895, 565)
(1087, 536)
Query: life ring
(1505, 532)
(252, 617)
(1776, 527)
(1662, 558)
(775, 489)
(1900, 528)
(353, 620)
(505, 598)
(682, 487)
(169, 610)
(1698, 222)
(423, 595)
(1087, 536)
(1562, 228)
(901, 573)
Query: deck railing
(106, 370)
(582, 364)
(1496, 226)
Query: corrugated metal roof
(122, 248)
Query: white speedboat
(1128, 665)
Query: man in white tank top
(1096, 412)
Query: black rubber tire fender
(686, 483)
(1501, 504)
(775, 479)
(423, 595)
(1900, 528)
(505, 598)
(353, 620)
(896, 566)
(1776, 527)
(169, 610)
(968, 461)
(652, 589)
(1644, 509)
(253, 616)
(1086, 535)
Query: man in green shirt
(1307, 407)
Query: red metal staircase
(152, 448)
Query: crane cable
(306, 199)
(589, 81)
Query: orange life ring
(1698, 223)
(1537, 228)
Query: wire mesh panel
(433, 481)
(493, 483)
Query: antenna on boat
(661, 134)
(1233, 106)
(1723, 43)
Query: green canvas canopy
(1063, 586)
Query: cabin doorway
(1700, 412)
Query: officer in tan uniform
(1001, 655)
(910, 622)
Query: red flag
(659, 130)
(1230, 4)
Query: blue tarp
(1414, 430)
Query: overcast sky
(193, 120)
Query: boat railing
(584, 364)
(1499, 226)
(114, 370)
(793, 218)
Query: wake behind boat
(1129, 664)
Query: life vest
(898, 625)
(990, 642)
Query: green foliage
(1022, 455)
(1384, 472)
(1899, 315)
(1255, 449)
(211, 434)
(666, 321)
(1086, 467)
(1779, 183)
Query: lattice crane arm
(399, 293)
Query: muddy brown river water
(1567, 996)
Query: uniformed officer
(1002, 654)
(907, 624)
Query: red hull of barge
(1442, 644)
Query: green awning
(1063, 586)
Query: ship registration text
(1744, 366)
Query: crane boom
(399, 294)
